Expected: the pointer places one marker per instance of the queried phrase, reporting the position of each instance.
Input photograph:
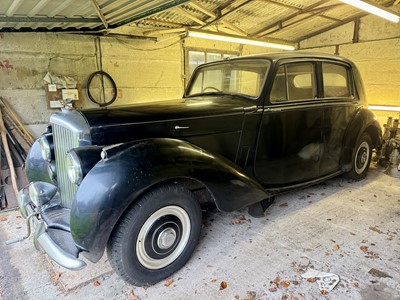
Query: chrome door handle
(177, 127)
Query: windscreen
(240, 77)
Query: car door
(290, 143)
(341, 103)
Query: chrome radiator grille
(64, 140)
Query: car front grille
(64, 140)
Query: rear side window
(295, 81)
(337, 83)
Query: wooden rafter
(163, 22)
(213, 15)
(190, 16)
(229, 12)
(289, 17)
(330, 27)
(353, 18)
(310, 14)
(356, 34)
(163, 31)
(100, 13)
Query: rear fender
(363, 121)
(128, 170)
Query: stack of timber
(15, 144)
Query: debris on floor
(325, 281)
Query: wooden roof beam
(100, 13)
(38, 7)
(214, 15)
(330, 27)
(340, 23)
(221, 16)
(282, 26)
(302, 11)
(13, 7)
(190, 16)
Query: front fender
(363, 121)
(36, 167)
(116, 181)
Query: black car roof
(275, 56)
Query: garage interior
(147, 47)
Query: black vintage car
(133, 180)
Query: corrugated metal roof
(289, 20)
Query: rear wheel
(361, 158)
(156, 237)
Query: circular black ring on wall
(113, 86)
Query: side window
(336, 81)
(294, 81)
(278, 91)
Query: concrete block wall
(377, 55)
(26, 58)
(143, 70)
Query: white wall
(377, 55)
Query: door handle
(177, 127)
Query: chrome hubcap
(163, 237)
(362, 157)
(166, 238)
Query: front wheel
(156, 237)
(361, 158)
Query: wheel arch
(199, 190)
(143, 166)
(145, 221)
(363, 121)
(375, 134)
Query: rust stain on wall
(6, 65)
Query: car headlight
(46, 147)
(41, 192)
(74, 168)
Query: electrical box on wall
(56, 97)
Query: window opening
(295, 81)
(336, 80)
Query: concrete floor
(351, 229)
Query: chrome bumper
(42, 240)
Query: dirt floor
(350, 229)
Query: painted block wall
(377, 55)
(140, 72)
(143, 70)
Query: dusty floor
(351, 229)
